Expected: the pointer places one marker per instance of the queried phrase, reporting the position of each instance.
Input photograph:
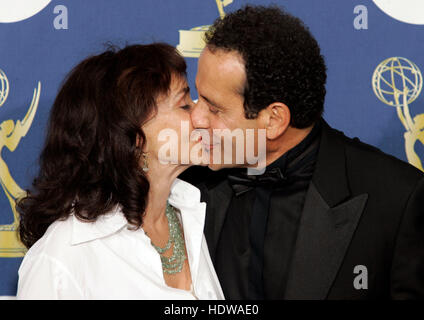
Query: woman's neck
(161, 178)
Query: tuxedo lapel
(218, 200)
(323, 238)
(329, 218)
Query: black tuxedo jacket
(362, 208)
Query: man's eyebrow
(216, 105)
(211, 102)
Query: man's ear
(276, 119)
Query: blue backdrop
(37, 51)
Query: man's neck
(287, 141)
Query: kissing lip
(209, 146)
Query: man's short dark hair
(282, 60)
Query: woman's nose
(199, 116)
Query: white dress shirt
(106, 260)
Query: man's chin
(217, 167)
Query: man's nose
(200, 116)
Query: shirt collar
(105, 225)
(297, 153)
(182, 195)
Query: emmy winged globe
(398, 82)
(4, 87)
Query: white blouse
(106, 260)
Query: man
(331, 217)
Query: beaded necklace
(174, 263)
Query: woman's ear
(139, 143)
(276, 118)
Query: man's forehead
(223, 68)
(224, 60)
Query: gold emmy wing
(191, 41)
(10, 136)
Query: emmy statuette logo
(11, 133)
(397, 82)
(191, 41)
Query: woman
(107, 217)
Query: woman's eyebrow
(181, 93)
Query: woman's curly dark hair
(91, 158)
(282, 61)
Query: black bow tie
(242, 182)
(295, 166)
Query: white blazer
(106, 260)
